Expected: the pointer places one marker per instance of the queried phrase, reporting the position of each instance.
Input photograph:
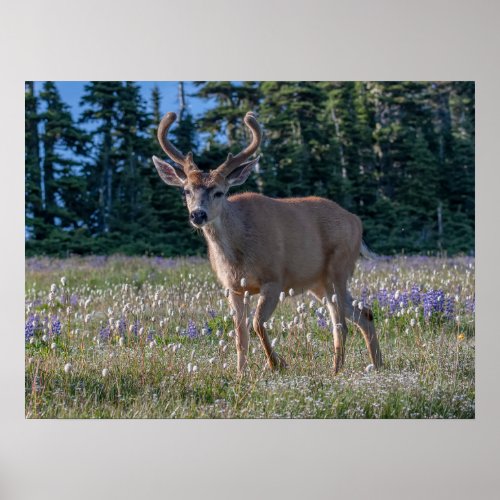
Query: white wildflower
(68, 367)
(243, 282)
(105, 372)
(282, 296)
(63, 281)
(369, 368)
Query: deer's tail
(366, 252)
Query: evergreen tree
(35, 226)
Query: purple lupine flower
(207, 327)
(433, 302)
(470, 305)
(105, 333)
(29, 328)
(212, 313)
(415, 295)
(73, 300)
(449, 307)
(321, 320)
(382, 298)
(192, 331)
(55, 326)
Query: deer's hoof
(277, 362)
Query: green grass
(428, 365)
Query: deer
(262, 245)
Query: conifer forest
(400, 155)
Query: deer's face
(204, 194)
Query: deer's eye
(218, 194)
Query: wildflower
(53, 288)
(360, 305)
(53, 346)
(152, 344)
(369, 368)
(195, 368)
(192, 331)
(334, 298)
(282, 296)
(412, 322)
(222, 343)
(104, 333)
(309, 337)
(231, 334)
(211, 361)
(68, 367)
(105, 372)
(291, 292)
(224, 366)
(243, 282)
(461, 337)
(189, 367)
(44, 338)
(63, 281)
(274, 342)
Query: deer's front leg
(240, 326)
(269, 296)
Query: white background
(248, 40)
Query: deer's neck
(225, 238)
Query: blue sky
(71, 92)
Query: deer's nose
(198, 216)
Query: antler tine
(233, 162)
(186, 161)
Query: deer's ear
(240, 175)
(173, 176)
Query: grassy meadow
(138, 337)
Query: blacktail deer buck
(263, 245)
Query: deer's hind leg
(363, 319)
(268, 300)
